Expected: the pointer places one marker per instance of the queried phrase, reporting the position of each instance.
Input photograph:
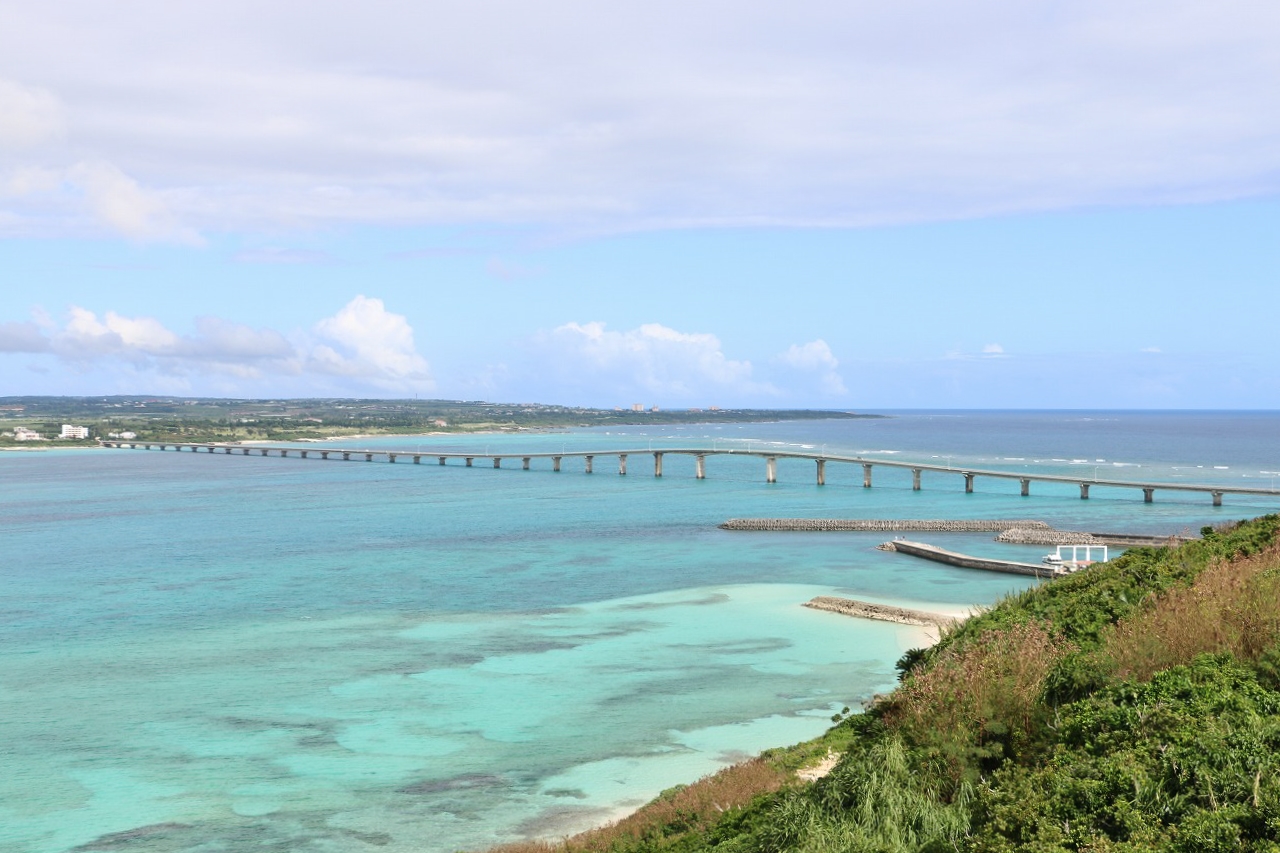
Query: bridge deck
(701, 453)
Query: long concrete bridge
(700, 455)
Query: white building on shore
(24, 434)
(73, 431)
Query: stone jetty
(883, 612)
(1041, 536)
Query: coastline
(554, 830)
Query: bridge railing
(700, 455)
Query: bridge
(700, 455)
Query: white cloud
(370, 342)
(360, 348)
(147, 343)
(993, 349)
(816, 358)
(29, 116)
(658, 114)
(22, 337)
(120, 203)
(653, 361)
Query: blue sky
(843, 205)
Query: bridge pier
(525, 461)
(227, 451)
(1026, 486)
(915, 479)
(590, 460)
(866, 476)
(391, 458)
(324, 454)
(968, 483)
(262, 452)
(555, 463)
(1147, 495)
(700, 466)
(657, 464)
(622, 464)
(244, 451)
(368, 457)
(822, 471)
(302, 453)
(771, 469)
(346, 456)
(497, 462)
(1217, 498)
(441, 458)
(1084, 491)
(469, 458)
(417, 459)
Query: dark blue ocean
(210, 652)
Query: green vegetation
(204, 419)
(1135, 706)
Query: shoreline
(928, 626)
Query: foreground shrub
(975, 707)
(1233, 606)
(874, 800)
(1189, 761)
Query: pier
(702, 455)
(964, 561)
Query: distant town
(31, 421)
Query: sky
(846, 205)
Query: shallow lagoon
(322, 656)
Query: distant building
(125, 435)
(73, 431)
(24, 434)
(637, 407)
(654, 409)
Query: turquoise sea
(223, 653)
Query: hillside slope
(1135, 706)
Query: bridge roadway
(700, 455)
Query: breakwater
(1041, 536)
(883, 525)
(883, 612)
(1010, 532)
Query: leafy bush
(1187, 761)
